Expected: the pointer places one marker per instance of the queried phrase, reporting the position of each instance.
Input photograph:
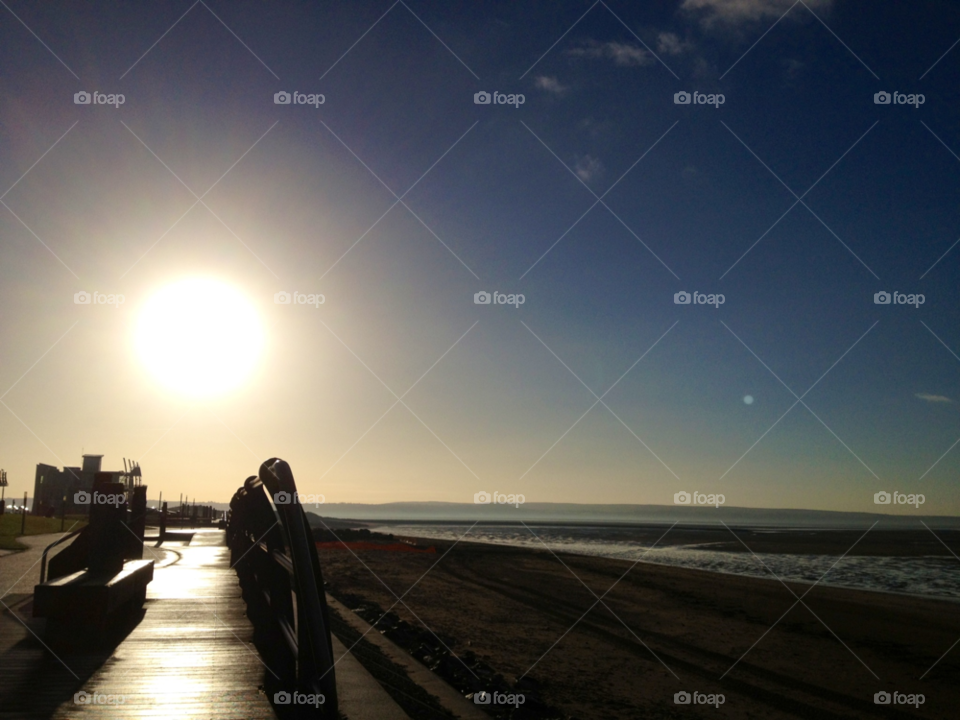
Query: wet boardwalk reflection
(191, 655)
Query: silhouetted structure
(102, 571)
(56, 491)
(273, 551)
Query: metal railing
(275, 556)
(51, 546)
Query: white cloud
(733, 12)
(622, 54)
(588, 168)
(628, 55)
(934, 398)
(669, 43)
(550, 84)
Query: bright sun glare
(199, 336)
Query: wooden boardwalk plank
(191, 656)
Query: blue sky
(494, 197)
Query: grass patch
(8, 542)
(10, 527)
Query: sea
(928, 576)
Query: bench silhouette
(101, 577)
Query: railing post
(285, 563)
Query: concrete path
(446, 694)
(20, 571)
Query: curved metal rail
(275, 556)
(51, 546)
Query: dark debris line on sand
(425, 648)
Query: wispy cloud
(550, 84)
(934, 398)
(588, 168)
(669, 43)
(736, 12)
(622, 54)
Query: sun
(199, 337)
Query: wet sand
(662, 630)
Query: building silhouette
(54, 489)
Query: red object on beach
(364, 545)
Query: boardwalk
(190, 656)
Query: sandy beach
(663, 630)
